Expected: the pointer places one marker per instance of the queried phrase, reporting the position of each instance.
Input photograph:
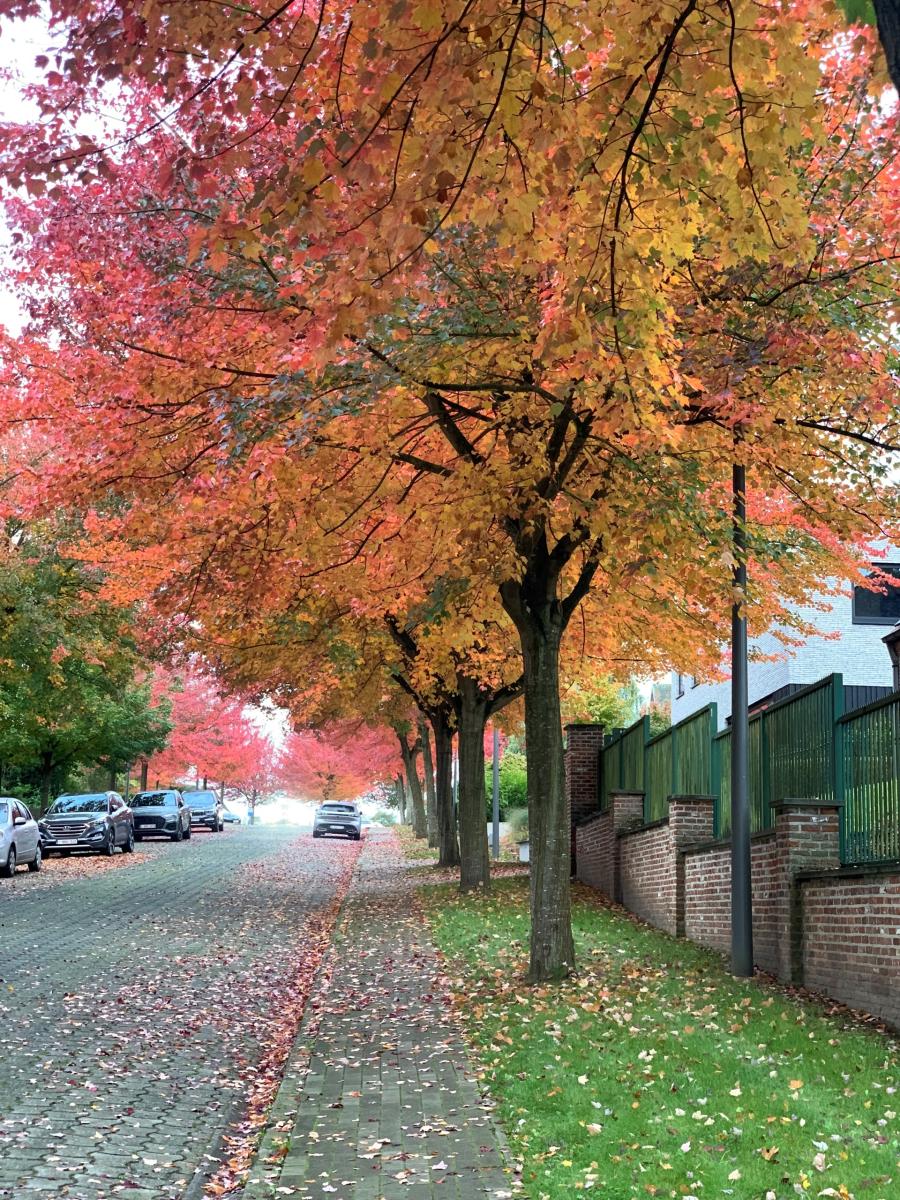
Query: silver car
(20, 840)
(334, 817)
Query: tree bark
(888, 14)
(401, 799)
(409, 755)
(540, 622)
(448, 847)
(46, 777)
(144, 769)
(431, 821)
(475, 871)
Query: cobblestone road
(135, 1006)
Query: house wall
(856, 651)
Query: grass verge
(654, 1073)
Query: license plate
(67, 842)
(337, 828)
(145, 824)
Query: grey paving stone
(388, 1094)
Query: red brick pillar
(583, 746)
(626, 811)
(690, 823)
(807, 838)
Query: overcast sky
(20, 43)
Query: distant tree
(70, 688)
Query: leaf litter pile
(654, 1073)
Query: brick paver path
(135, 1006)
(378, 1099)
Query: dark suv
(97, 821)
(207, 810)
(161, 814)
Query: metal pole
(495, 833)
(741, 898)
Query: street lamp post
(741, 897)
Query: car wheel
(128, 847)
(187, 834)
(9, 869)
(178, 835)
(138, 837)
(36, 862)
(109, 847)
(316, 833)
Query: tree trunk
(448, 846)
(145, 766)
(401, 799)
(409, 755)
(475, 871)
(431, 821)
(540, 623)
(112, 777)
(46, 778)
(888, 14)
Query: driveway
(141, 1006)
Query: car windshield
(200, 798)
(96, 802)
(338, 808)
(154, 800)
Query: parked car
(333, 817)
(207, 810)
(231, 818)
(20, 839)
(161, 814)
(98, 821)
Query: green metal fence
(802, 746)
(870, 743)
(680, 760)
(791, 752)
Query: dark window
(695, 682)
(153, 800)
(679, 685)
(882, 607)
(92, 802)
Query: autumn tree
(532, 306)
(73, 691)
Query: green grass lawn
(654, 1073)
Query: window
(695, 682)
(679, 685)
(878, 608)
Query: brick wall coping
(584, 725)
(805, 802)
(623, 792)
(643, 828)
(761, 835)
(691, 798)
(854, 872)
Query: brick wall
(851, 939)
(834, 930)
(583, 746)
(597, 856)
(707, 898)
(649, 875)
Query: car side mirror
(20, 821)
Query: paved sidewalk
(378, 1101)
